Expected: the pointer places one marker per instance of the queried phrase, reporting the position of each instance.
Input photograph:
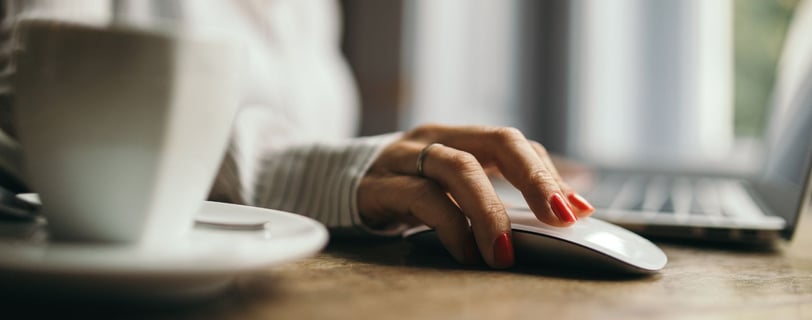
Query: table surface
(389, 279)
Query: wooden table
(391, 280)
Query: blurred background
(677, 83)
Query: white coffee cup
(122, 129)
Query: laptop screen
(784, 184)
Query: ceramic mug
(122, 129)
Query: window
(675, 83)
(759, 27)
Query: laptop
(760, 207)
(756, 207)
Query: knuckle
(494, 214)
(463, 162)
(541, 177)
(389, 154)
(422, 131)
(494, 209)
(508, 135)
(541, 149)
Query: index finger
(516, 158)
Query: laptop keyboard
(678, 200)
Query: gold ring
(422, 157)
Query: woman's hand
(454, 186)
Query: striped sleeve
(318, 180)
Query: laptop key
(630, 196)
(606, 190)
(668, 206)
(657, 193)
(707, 198)
(736, 201)
(682, 195)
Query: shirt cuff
(318, 180)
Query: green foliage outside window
(759, 29)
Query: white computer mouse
(590, 243)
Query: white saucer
(194, 265)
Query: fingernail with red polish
(561, 209)
(579, 202)
(503, 251)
